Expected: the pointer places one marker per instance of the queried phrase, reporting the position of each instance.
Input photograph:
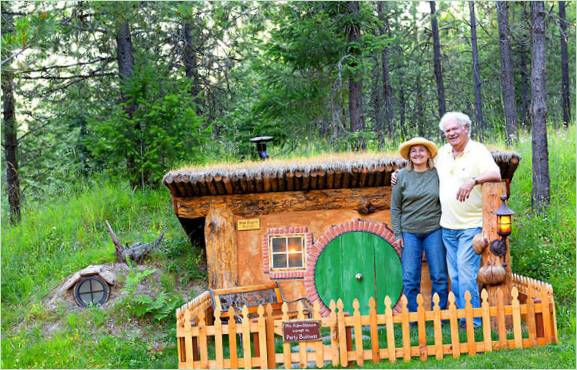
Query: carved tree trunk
(10, 128)
(491, 201)
(221, 252)
(355, 81)
(565, 94)
(507, 82)
(540, 194)
(437, 60)
(476, 75)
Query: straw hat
(405, 147)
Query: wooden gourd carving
(492, 274)
(480, 243)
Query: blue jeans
(432, 244)
(463, 264)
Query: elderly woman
(415, 216)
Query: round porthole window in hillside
(91, 290)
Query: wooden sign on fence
(302, 330)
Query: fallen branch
(136, 252)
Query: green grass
(67, 234)
(64, 234)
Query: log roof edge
(327, 172)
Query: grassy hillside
(62, 235)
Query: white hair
(461, 118)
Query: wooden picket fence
(204, 341)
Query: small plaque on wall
(248, 224)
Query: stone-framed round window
(91, 290)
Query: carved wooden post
(221, 253)
(491, 201)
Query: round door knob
(359, 276)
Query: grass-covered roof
(327, 171)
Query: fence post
(455, 345)
(470, 325)
(516, 313)
(485, 307)
(422, 332)
(405, 329)
(245, 326)
(501, 320)
(553, 314)
(202, 342)
(546, 313)
(531, 327)
(302, 345)
(218, 349)
(390, 326)
(271, 353)
(358, 332)
(286, 345)
(232, 338)
(188, 348)
(334, 334)
(262, 340)
(319, 346)
(437, 327)
(342, 334)
(374, 330)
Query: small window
(91, 290)
(287, 252)
(284, 251)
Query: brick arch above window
(288, 231)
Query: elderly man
(462, 165)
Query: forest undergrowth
(65, 233)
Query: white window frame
(302, 252)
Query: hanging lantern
(504, 225)
(504, 218)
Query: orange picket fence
(206, 341)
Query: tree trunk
(377, 102)
(10, 128)
(565, 94)
(355, 80)
(125, 59)
(402, 101)
(190, 63)
(540, 194)
(336, 112)
(524, 60)
(507, 82)
(419, 113)
(124, 52)
(387, 87)
(476, 75)
(437, 60)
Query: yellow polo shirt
(453, 172)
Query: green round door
(359, 264)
